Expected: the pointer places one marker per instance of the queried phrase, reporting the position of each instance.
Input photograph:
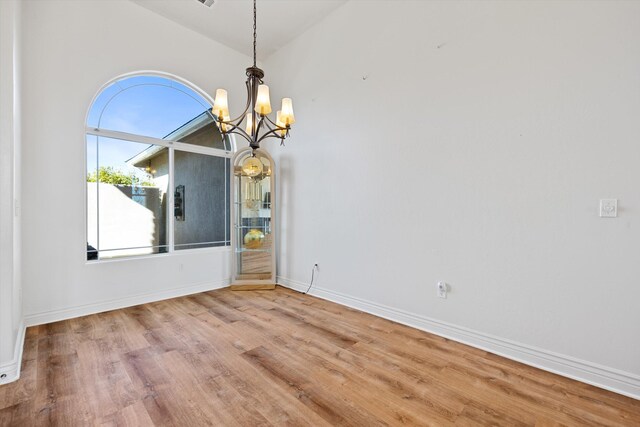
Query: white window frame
(171, 147)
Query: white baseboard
(99, 307)
(11, 370)
(604, 377)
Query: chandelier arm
(240, 118)
(235, 123)
(267, 125)
(273, 129)
(276, 127)
(238, 131)
(270, 121)
(271, 134)
(235, 129)
(259, 125)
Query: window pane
(128, 190)
(201, 201)
(157, 107)
(92, 199)
(132, 181)
(202, 130)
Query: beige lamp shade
(249, 127)
(220, 104)
(286, 115)
(263, 103)
(280, 123)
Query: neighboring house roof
(197, 123)
(193, 125)
(140, 160)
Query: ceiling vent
(207, 3)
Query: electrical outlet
(608, 208)
(442, 288)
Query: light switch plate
(608, 208)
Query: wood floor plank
(393, 402)
(335, 411)
(399, 403)
(280, 358)
(225, 371)
(134, 415)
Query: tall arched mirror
(253, 220)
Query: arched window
(157, 170)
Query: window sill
(216, 249)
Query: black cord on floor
(313, 270)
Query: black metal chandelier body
(257, 124)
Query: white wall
(71, 48)
(11, 327)
(471, 142)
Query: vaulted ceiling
(230, 22)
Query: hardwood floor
(277, 358)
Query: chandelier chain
(254, 33)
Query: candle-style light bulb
(287, 112)
(220, 104)
(280, 123)
(226, 118)
(263, 103)
(249, 127)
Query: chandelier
(258, 126)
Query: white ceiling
(230, 22)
